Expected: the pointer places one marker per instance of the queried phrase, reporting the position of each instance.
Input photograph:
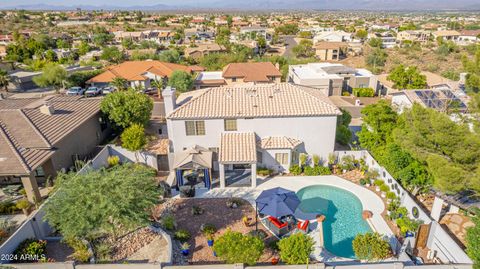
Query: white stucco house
(247, 127)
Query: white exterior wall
(268, 159)
(401, 101)
(317, 133)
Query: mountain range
(265, 5)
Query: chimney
(47, 109)
(169, 99)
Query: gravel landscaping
(216, 212)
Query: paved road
(290, 42)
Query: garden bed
(215, 212)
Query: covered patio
(238, 159)
(193, 167)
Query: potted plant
(378, 183)
(210, 240)
(274, 261)
(384, 189)
(185, 249)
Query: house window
(39, 172)
(234, 79)
(195, 127)
(294, 157)
(281, 158)
(231, 125)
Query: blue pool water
(343, 211)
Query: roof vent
(47, 109)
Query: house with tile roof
(140, 72)
(40, 136)
(248, 126)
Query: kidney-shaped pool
(343, 212)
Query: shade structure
(277, 202)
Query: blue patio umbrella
(277, 202)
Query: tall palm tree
(158, 84)
(119, 83)
(4, 80)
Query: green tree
(112, 54)
(50, 56)
(234, 247)
(119, 83)
(127, 43)
(473, 240)
(304, 49)
(361, 34)
(376, 58)
(407, 78)
(133, 138)
(158, 84)
(296, 248)
(83, 48)
(4, 79)
(181, 81)
(79, 78)
(343, 135)
(371, 247)
(125, 108)
(375, 42)
(287, 29)
(170, 56)
(305, 34)
(53, 75)
(106, 201)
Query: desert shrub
(103, 251)
(168, 222)
(196, 210)
(347, 163)
(32, 250)
(263, 171)
(378, 182)
(208, 228)
(303, 159)
(234, 247)
(8, 207)
(363, 181)
(182, 235)
(384, 188)
(391, 195)
(295, 169)
(113, 160)
(371, 247)
(363, 92)
(317, 170)
(235, 202)
(23, 204)
(296, 248)
(315, 159)
(407, 224)
(80, 250)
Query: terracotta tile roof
(279, 142)
(251, 72)
(261, 101)
(134, 70)
(237, 148)
(470, 32)
(28, 136)
(205, 48)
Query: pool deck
(370, 201)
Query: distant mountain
(265, 5)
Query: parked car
(75, 91)
(93, 91)
(107, 90)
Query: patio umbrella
(277, 202)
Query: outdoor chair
(277, 227)
(302, 226)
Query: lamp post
(256, 217)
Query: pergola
(195, 158)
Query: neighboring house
(134, 36)
(388, 40)
(331, 79)
(332, 36)
(446, 35)
(203, 49)
(261, 72)
(440, 99)
(209, 79)
(40, 136)
(469, 37)
(140, 72)
(413, 35)
(331, 51)
(233, 130)
(252, 33)
(23, 80)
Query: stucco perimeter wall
(439, 240)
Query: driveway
(290, 42)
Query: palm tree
(119, 83)
(158, 84)
(4, 80)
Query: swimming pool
(343, 211)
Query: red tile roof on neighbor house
(135, 71)
(251, 72)
(28, 135)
